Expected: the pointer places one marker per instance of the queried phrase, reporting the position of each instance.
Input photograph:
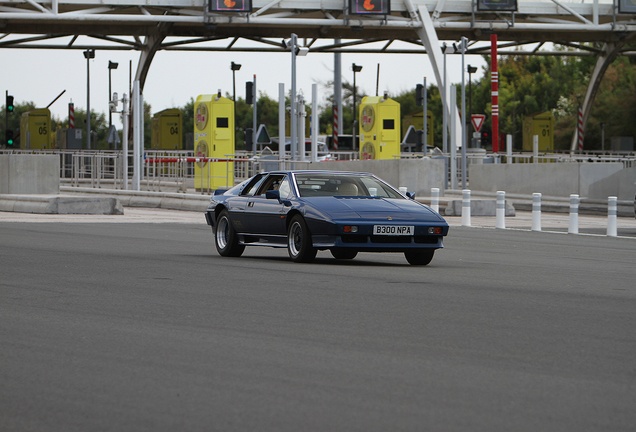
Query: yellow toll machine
(35, 129)
(379, 128)
(213, 138)
(166, 130)
(542, 125)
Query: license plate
(393, 230)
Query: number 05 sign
(373, 7)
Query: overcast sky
(39, 75)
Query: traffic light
(9, 104)
(249, 92)
(485, 138)
(419, 95)
(8, 136)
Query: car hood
(373, 208)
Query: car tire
(344, 253)
(225, 237)
(299, 244)
(419, 257)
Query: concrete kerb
(100, 201)
(60, 204)
(147, 199)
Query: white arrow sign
(478, 121)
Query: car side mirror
(410, 195)
(272, 194)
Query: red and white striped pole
(494, 77)
(71, 115)
(580, 129)
(335, 127)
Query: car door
(267, 216)
(237, 205)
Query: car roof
(323, 172)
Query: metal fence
(175, 170)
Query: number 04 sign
(374, 7)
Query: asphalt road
(143, 327)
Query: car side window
(285, 189)
(253, 186)
(270, 183)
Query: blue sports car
(307, 211)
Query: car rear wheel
(419, 257)
(344, 254)
(299, 244)
(225, 237)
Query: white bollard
(501, 210)
(535, 148)
(574, 214)
(509, 149)
(612, 230)
(435, 199)
(466, 207)
(536, 212)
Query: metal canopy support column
(607, 55)
(151, 44)
(428, 37)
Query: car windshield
(318, 184)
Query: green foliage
(187, 116)
(533, 84)
(326, 112)
(615, 105)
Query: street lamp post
(234, 67)
(471, 71)
(464, 43)
(356, 68)
(88, 55)
(111, 65)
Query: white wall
(550, 179)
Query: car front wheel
(299, 244)
(418, 257)
(225, 237)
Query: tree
(326, 113)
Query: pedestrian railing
(174, 170)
